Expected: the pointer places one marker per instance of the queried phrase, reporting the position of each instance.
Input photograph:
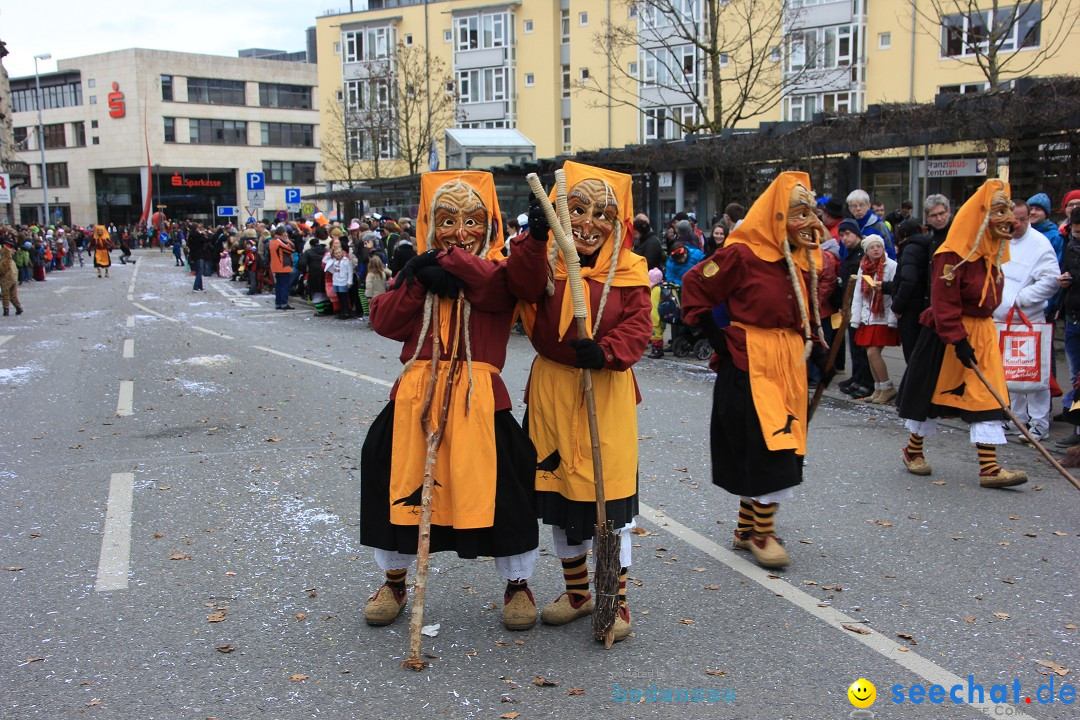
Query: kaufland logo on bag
(1022, 352)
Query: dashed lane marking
(215, 333)
(154, 312)
(115, 558)
(5, 338)
(129, 348)
(324, 366)
(877, 642)
(126, 403)
(131, 321)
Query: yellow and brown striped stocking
(763, 518)
(988, 464)
(576, 575)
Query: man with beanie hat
(1070, 201)
(1039, 212)
(646, 242)
(832, 212)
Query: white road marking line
(215, 333)
(933, 674)
(129, 348)
(125, 405)
(5, 338)
(154, 313)
(324, 366)
(131, 321)
(112, 571)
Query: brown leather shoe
(565, 609)
(385, 605)
(519, 610)
(1003, 478)
(915, 464)
(768, 551)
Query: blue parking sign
(292, 195)
(256, 181)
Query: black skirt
(916, 393)
(577, 518)
(742, 463)
(514, 531)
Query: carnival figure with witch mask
(759, 412)
(616, 289)
(454, 290)
(958, 334)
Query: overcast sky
(70, 28)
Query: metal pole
(41, 135)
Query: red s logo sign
(116, 102)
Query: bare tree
(425, 107)
(989, 36)
(720, 57)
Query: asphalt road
(180, 503)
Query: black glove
(712, 331)
(437, 280)
(819, 357)
(589, 354)
(965, 353)
(407, 275)
(538, 224)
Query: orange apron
(957, 386)
(778, 385)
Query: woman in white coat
(872, 315)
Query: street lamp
(41, 134)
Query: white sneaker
(1038, 433)
(1010, 428)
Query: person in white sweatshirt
(872, 315)
(1031, 279)
(341, 268)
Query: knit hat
(848, 224)
(834, 207)
(1069, 197)
(1041, 200)
(870, 240)
(656, 276)
(354, 226)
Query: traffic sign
(281, 216)
(308, 209)
(293, 207)
(256, 198)
(228, 211)
(256, 181)
(292, 196)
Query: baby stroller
(685, 339)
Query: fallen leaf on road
(510, 715)
(903, 649)
(716, 673)
(806, 541)
(431, 656)
(27, 661)
(274, 438)
(576, 691)
(1060, 534)
(218, 616)
(1058, 669)
(298, 677)
(809, 582)
(698, 569)
(1030, 535)
(686, 621)
(226, 648)
(969, 619)
(1014, 517)
(541, 681)
(855, 629)
(13, 568)
(1004, 543)
(472, 654)
(165, 487)
(1008, 581)
(712, 587)
(937, 482)
(1002, 616)
(179, 556)
(300, 617)
(883, 523)
(834, 587)
(1070, 626)
(92, 703)
(1037, 488)
(773, 577)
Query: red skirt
(877, 336)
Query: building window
(530, 79)
(963, 89)
(371, 43)
(218, 132)
(337, 48)
(567, 146)
(566, 81)
(839, 103)
(78, 134)
(774, 54)
(288, 135)
(631, 69)
(214, 91)
(95, 141)
(802, 50)
(800, 108)
(408, 40)
(93, 99)
(486, 85)
(583, 19)
(284, 96)
(166, 87)
(288, 173)
(838, 48)
(57, 174)
(52, 96)
(583, 74)
(657, 125)
(1014, 27)
(54, 136)
(632, 11)
(884, 40)
(93, 124)
(528, 26)
(723, 59)
(564, 26)
(485, 31)
(91, 83)
(170, 130)
(448, 36)
(367, 94)
(21, 138)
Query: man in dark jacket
(196, 243)
(404, 251)
(1070, 306)
(938, 214)
(646, 242)
(311, 266)
(909, 289)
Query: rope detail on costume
(814, 298)
(800, 298)
(429, 300)
(609, 196)
(466, 312)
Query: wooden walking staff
(837, 343)
(606, 544)
(434, 440)
(1023, 429)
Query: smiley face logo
(862, 693)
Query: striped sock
(745, 523)
(987, 459)
(763, 518)
(512, 586)
(914, 445)
(396, 578)
(576, 575)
